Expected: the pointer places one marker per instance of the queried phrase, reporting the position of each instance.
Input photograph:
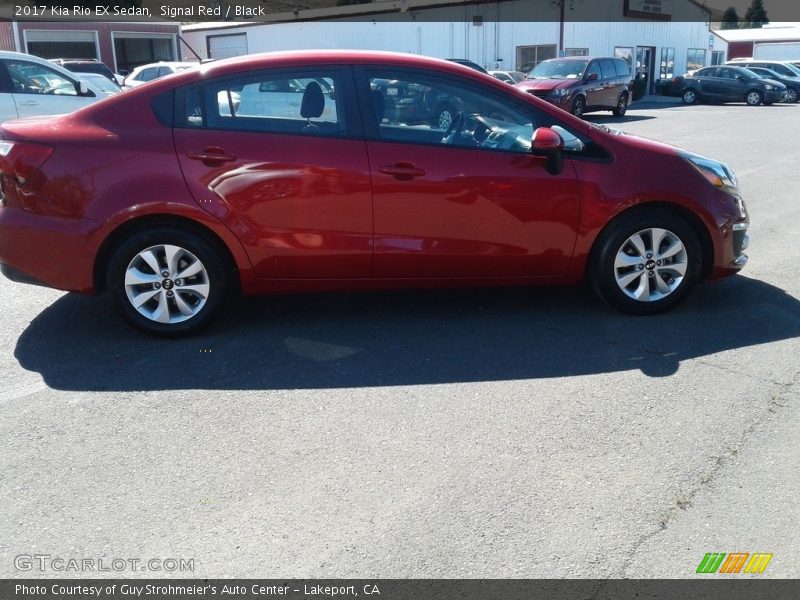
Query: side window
(33, 78)
(607, 69)
(726, 74)
(164, 71)
(271, 102)
(147, 74)
(594, 67)
(426, 108)
(622, 68)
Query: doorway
(645, 66)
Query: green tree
(756, 15)
(730, 19)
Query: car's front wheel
(792, 95)
(754, 98)
(646, 262)
(578, 106)
(167, 281)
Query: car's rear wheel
(754, 98)
(167, 281)
(792, 95)
(689, 96)
(622, 105)
(646, 262)
(578, 106)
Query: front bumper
(774, 96)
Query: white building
(663, 38)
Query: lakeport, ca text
(143, 590)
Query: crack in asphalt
(686, 499)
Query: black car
(86, 65)
(469, 63)
(730, 84)
(791, 82)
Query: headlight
(561, 92)
(769, 87)
(718, 174)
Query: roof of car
(313, 57)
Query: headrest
(313, 101)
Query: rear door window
(300, 103)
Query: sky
(777, 10)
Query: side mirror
(547, 143)
(592, 77)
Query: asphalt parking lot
(490, 433)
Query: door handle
(404, 171)
(213, 156)
(29, 103)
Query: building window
(667, 68)
(625, 54)
(576, 52)
(695, 59)
(530, 56)
(717, 57)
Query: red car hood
(544, 84)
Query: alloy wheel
(167, 284)
(650, 265)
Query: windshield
(99, 81)
(559, 69)
(795, 71)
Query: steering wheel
(457, 126)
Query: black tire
(690, 96)
(754, 97)
(792, 95)
(607, 278)
(215, 281)
(622, 105)
(578, 107)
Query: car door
(294, 189)
(40, 90)
(611, 90)
(448, 206)
(729, 87)
(708, 83)
(593, 85)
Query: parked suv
(580, 84)
(31, 86)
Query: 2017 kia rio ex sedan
(286, 172)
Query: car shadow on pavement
(401, 338)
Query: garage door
(225, 46)
(61, 44)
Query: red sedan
(292, 172)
